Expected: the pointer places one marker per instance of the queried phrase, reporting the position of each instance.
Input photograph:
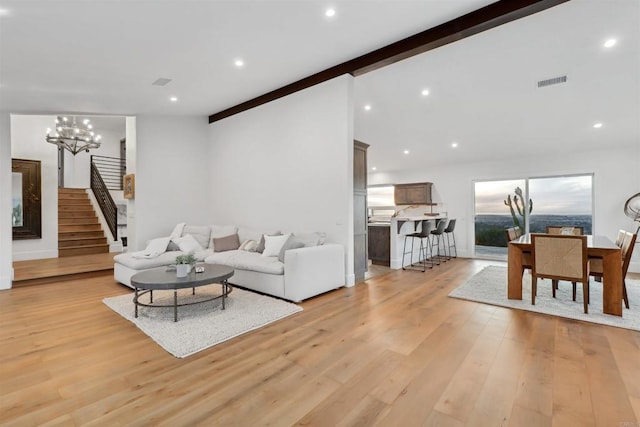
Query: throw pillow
(157, 246)
(291, 243)
(260, 247)
(200, 232)
(226, 243)
(249, 246)
(188, 243)
(173, 246)
(273, 244)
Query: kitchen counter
(379, 224)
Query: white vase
(182, 270)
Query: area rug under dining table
(202, 325)
(489, 286)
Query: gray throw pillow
(173, 246)
(291, 243)
(260, 248)
(226, 243)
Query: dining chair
(564, 230)
(513, 233)
(560, 257)
(626, 242)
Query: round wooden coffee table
(163, 279)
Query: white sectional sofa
(305, 267)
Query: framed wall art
(129, 186)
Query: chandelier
(73, 136)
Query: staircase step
(83, 250)
(67, 196)
(78, 221)
(72, 190)
(66, 235)
(81, 214)
(87, 207)
(79, 227)
(81, 242)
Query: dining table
(597, 247)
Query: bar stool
(424, 233)
(438, 240)
(449, 231)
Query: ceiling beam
(483, 19)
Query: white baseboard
(5, 282)
(350, 280)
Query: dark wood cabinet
(360, 220)
(380, 245)
(412, 194)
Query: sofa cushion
(188, 243)
(164, 259)
(226, 243)
(218, 231)
(311, 239)
(291, 243)
(273, 244)
(202, 234)
(261, 242)
(249, 246)
(243, 260)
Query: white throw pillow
(157, 246)
(273, 244)
(188, 243)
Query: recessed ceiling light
(425, 92)
(173, 99)
(597, 125)
(238, 63)
(367, 107)
(610, 43)
(374, 168)
(406, 151)
(330, 12)
(454, 145)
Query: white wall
(6, 270)
(616, 178)
(288, 165)
(171, 184)
(28, 142)
(78, 167)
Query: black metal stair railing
(105, 201)
(111, 169)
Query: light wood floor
(34, 270)
(394, 351)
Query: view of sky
(558, 195)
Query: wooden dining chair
(560, 257)
(626, 243)
(564, 230)
(513, 233)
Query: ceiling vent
(162, 81)
(553, 81)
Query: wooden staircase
(79, 231)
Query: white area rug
(490, 286)
(204, 325)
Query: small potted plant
(184, 263)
